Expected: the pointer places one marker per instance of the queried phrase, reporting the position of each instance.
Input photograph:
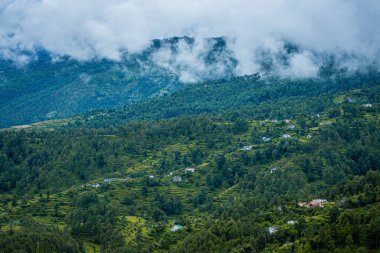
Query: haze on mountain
(61, 58)
(90, 29)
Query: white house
(177, 179)
(272, 230)
(266, 139)
(190, 170)
(247, 148)
(291, 126)
(286, 136)
(273, 170)
(176, 228)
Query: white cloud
(301, 65)
(96, 28)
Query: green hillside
(52, 88)
(262, 149)
(254, 96)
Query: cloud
(301, 65)
(189, 60)
(90, 29)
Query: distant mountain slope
(248, 96)
(49, 89)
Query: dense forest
(253, 96)
(250, 164)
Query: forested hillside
(253, 96)
(249, 165)
(51, 87)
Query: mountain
(50, 87)
(249, 164)
(252, 96)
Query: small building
(266, 139)
(350, 100)
(291, 126)
(314, 203)
(246, 148)
(177, 179)
(95, 185)
(274, 120)
(273, 170)
(22, 126)
(287, 121)
(367, 105)
(192, 170)
(115, 179)
(308, 136)
(286, 136)
(291, 222)
(176, 228)
(151, 176)
(272, 230)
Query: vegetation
(121, 187)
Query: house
(308, 136)
(272, 230)
(151, 176)
(286, 136)
(274, 120)
(291, 126)
(177, 179)
(367, 105)
(287, 121)
(176, 228)
(266, 139)
(190, 170)
(110, 180)
(96, 185)
(22, 126)
(314, 203)
(291, 222)
(350, 100)
(247, 148)
(273, 170)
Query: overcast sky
(85, 29)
